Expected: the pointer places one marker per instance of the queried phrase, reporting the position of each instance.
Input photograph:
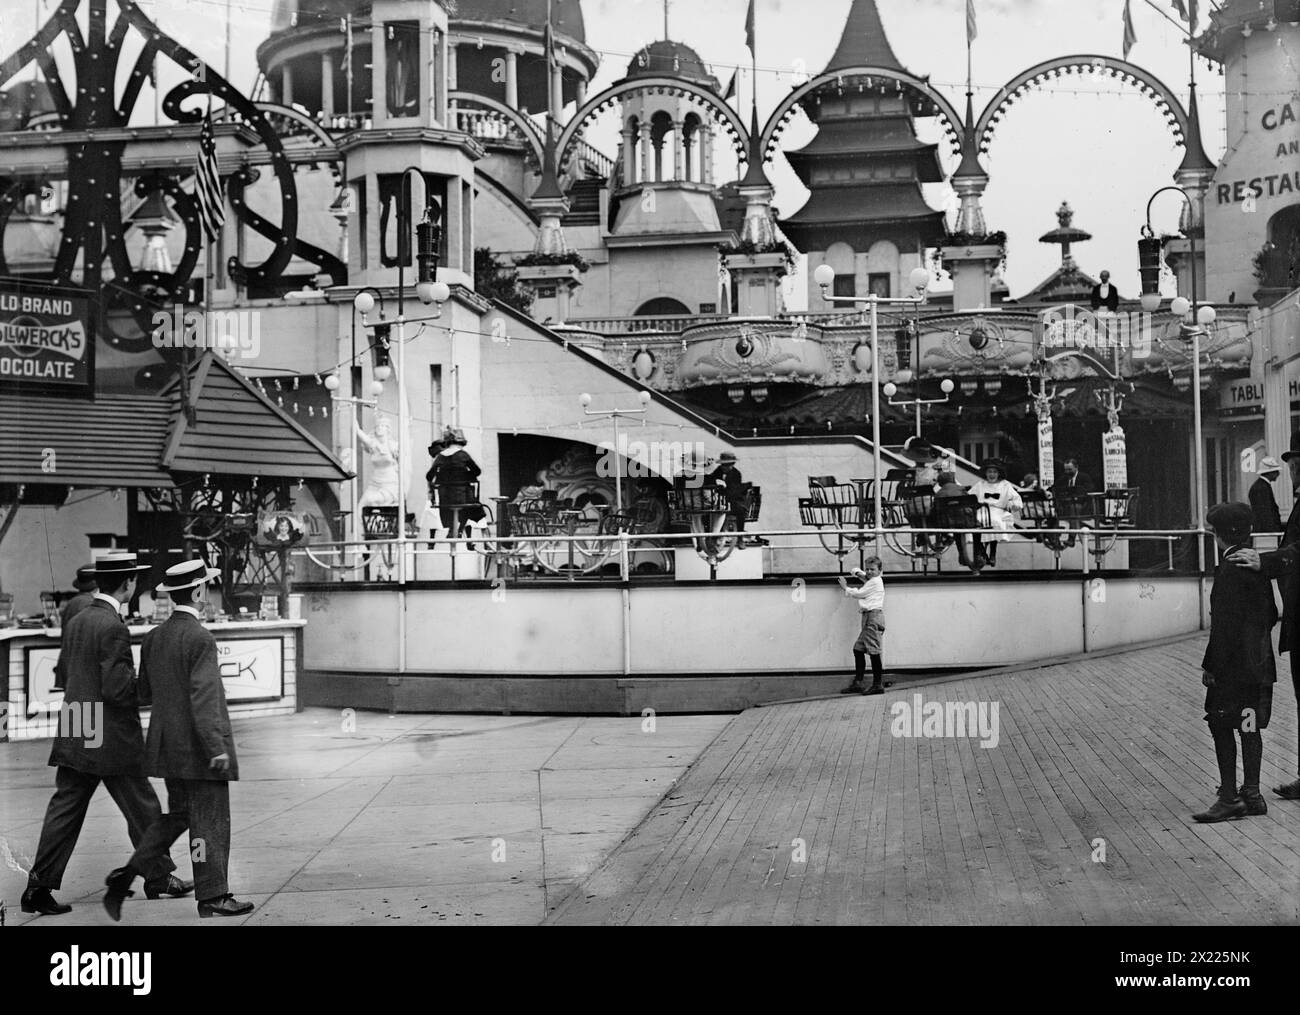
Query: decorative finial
(1065, 214)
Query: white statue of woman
(383, 482)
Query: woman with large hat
(1002, 501)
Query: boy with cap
(190, 745)
(1238, 670)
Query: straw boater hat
(85, 579)
(187, 575)
(115, 565)
(1269, 465)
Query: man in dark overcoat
(86, 588)
(1284, 565)
(190, 745)
(99, 740)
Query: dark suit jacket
(1263, 507)
(1082, 485)
(1242, 615)
(74, 606)
(98, 670)
(1284, 565)
(1111, 302)
(66, 612)
(189, 725)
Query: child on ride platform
(871, 640)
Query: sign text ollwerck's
(45, 336)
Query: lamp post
(430, 292)
(920, 282)
(585, 401)
(1202, 317)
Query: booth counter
(259, 670)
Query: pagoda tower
(867, 216)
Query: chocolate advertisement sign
(45, 336)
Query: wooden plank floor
(903, 830)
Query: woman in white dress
(1003, 503)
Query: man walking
(86, 589)
(1263, 507)
(1284, 565)
(190, 746)
(99, 740)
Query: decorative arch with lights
(719, 112)
(924, 98)
(1054, 70)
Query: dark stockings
(860, 669)
(1225, 750)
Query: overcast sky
(1102, 147)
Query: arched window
(1281, 261)
(632, 152)
(661, 125)
(662, 306)
(694, 150)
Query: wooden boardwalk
(1105, 753)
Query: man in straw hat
(1265, 516)
(1284, 565)
(190, 746)
(99, 740)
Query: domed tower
(498, 50)
(664, 193)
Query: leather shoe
(171, 886)
(1222, 810)
(1253, 799)
(1291, 791)
(874, 689)
(854, 688)
(119, 888)
(226, 905)
(39, 900)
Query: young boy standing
(1238, 670)
(871, 605)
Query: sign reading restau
(46, 336)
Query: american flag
(207, 184)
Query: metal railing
(595, 557)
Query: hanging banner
(1114, 456)
(1046, 453)
(45, 336)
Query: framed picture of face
(281, 528)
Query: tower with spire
(867, 216)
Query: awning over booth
(117, 440)
(147, 440)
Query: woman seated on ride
(1002, 501)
